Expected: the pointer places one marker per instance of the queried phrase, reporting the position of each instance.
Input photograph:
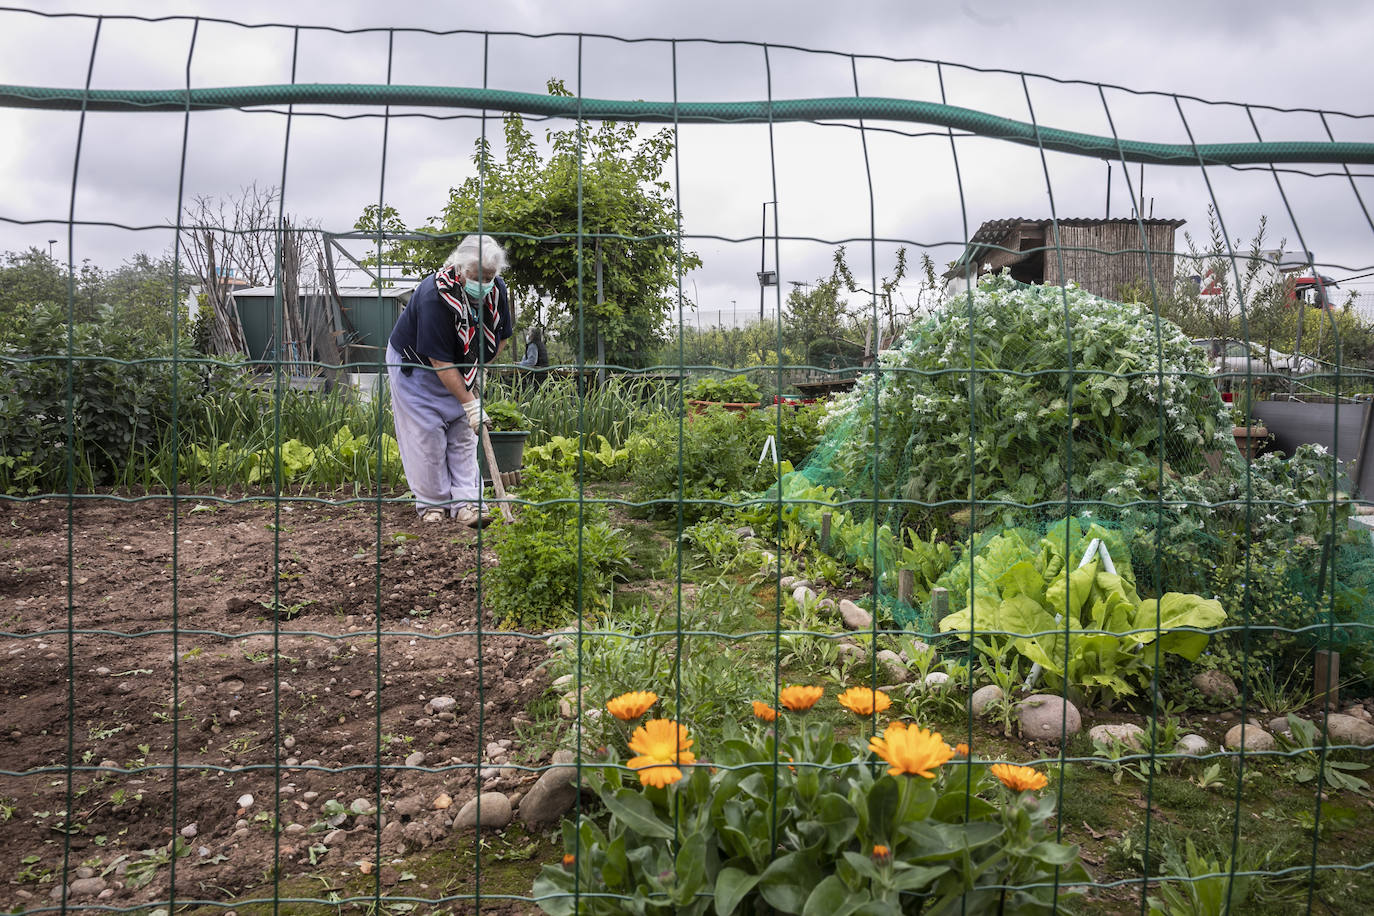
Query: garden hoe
(496, 481)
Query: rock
(1128, 733)
(1343, 729)
(86, 887)
(409, 806)
(896, 668)
(563, 682)
(361, 806)
(803, 596)
(554, 793)
(1359, 712)
(826, 604)
(189, 831)
(495, 811)
(1192, 745)
(1044, 717)
(1216, 686)
(245, 800)
(936, 680)
(441, 704)
(415, 759)
(744, 532)
(855, 617)
(334, 837)
(1279, 725)
(984, 697)
(788, 582)
(443, 801)
(418, 835)
(1254, 738)
(849, 650)
(391, 835)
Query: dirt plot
(167, 702)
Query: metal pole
(763, 253)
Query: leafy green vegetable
(1081, 622)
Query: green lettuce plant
(1083, 623)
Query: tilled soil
(159, 698)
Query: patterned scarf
(467, 314)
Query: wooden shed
(1100, 255)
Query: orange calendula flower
(910, 750)
(764, 711)
(800, 699)
(662, 746)
(1019, 779)
(569, 860)
(864, 701)
(881, 854)
(961, 749)
(629, 706)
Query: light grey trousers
(438, 447)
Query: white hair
(478, 253)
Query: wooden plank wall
(1103, 271)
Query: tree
(628, 225)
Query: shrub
(123, 397)
(719, 459)
(736, 390)
(545, 567)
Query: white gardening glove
(476, 415)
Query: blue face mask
(478, 290)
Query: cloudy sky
(1270, 55)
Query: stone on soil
(553, 794)
(1255, 738)
(1343, 729)
(895, 667)
(1192, 745)
(1127, 733)
(1216, 685)
(984, 697)
(855, 617)
(1044, 716)
(495, 813)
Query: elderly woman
(455, 321)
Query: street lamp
(51, 242)
(766, 277)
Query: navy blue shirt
(428, 328)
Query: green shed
(361, 318)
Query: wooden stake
(939, 603)
(495, 473)
(1326, 673)
(825, 531)
(906, 584)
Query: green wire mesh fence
(1016, 619)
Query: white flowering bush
(1071, 394)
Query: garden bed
(306, 698)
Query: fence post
(825, 531)
(939, 603)
(906, 584)
(1326, 673)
